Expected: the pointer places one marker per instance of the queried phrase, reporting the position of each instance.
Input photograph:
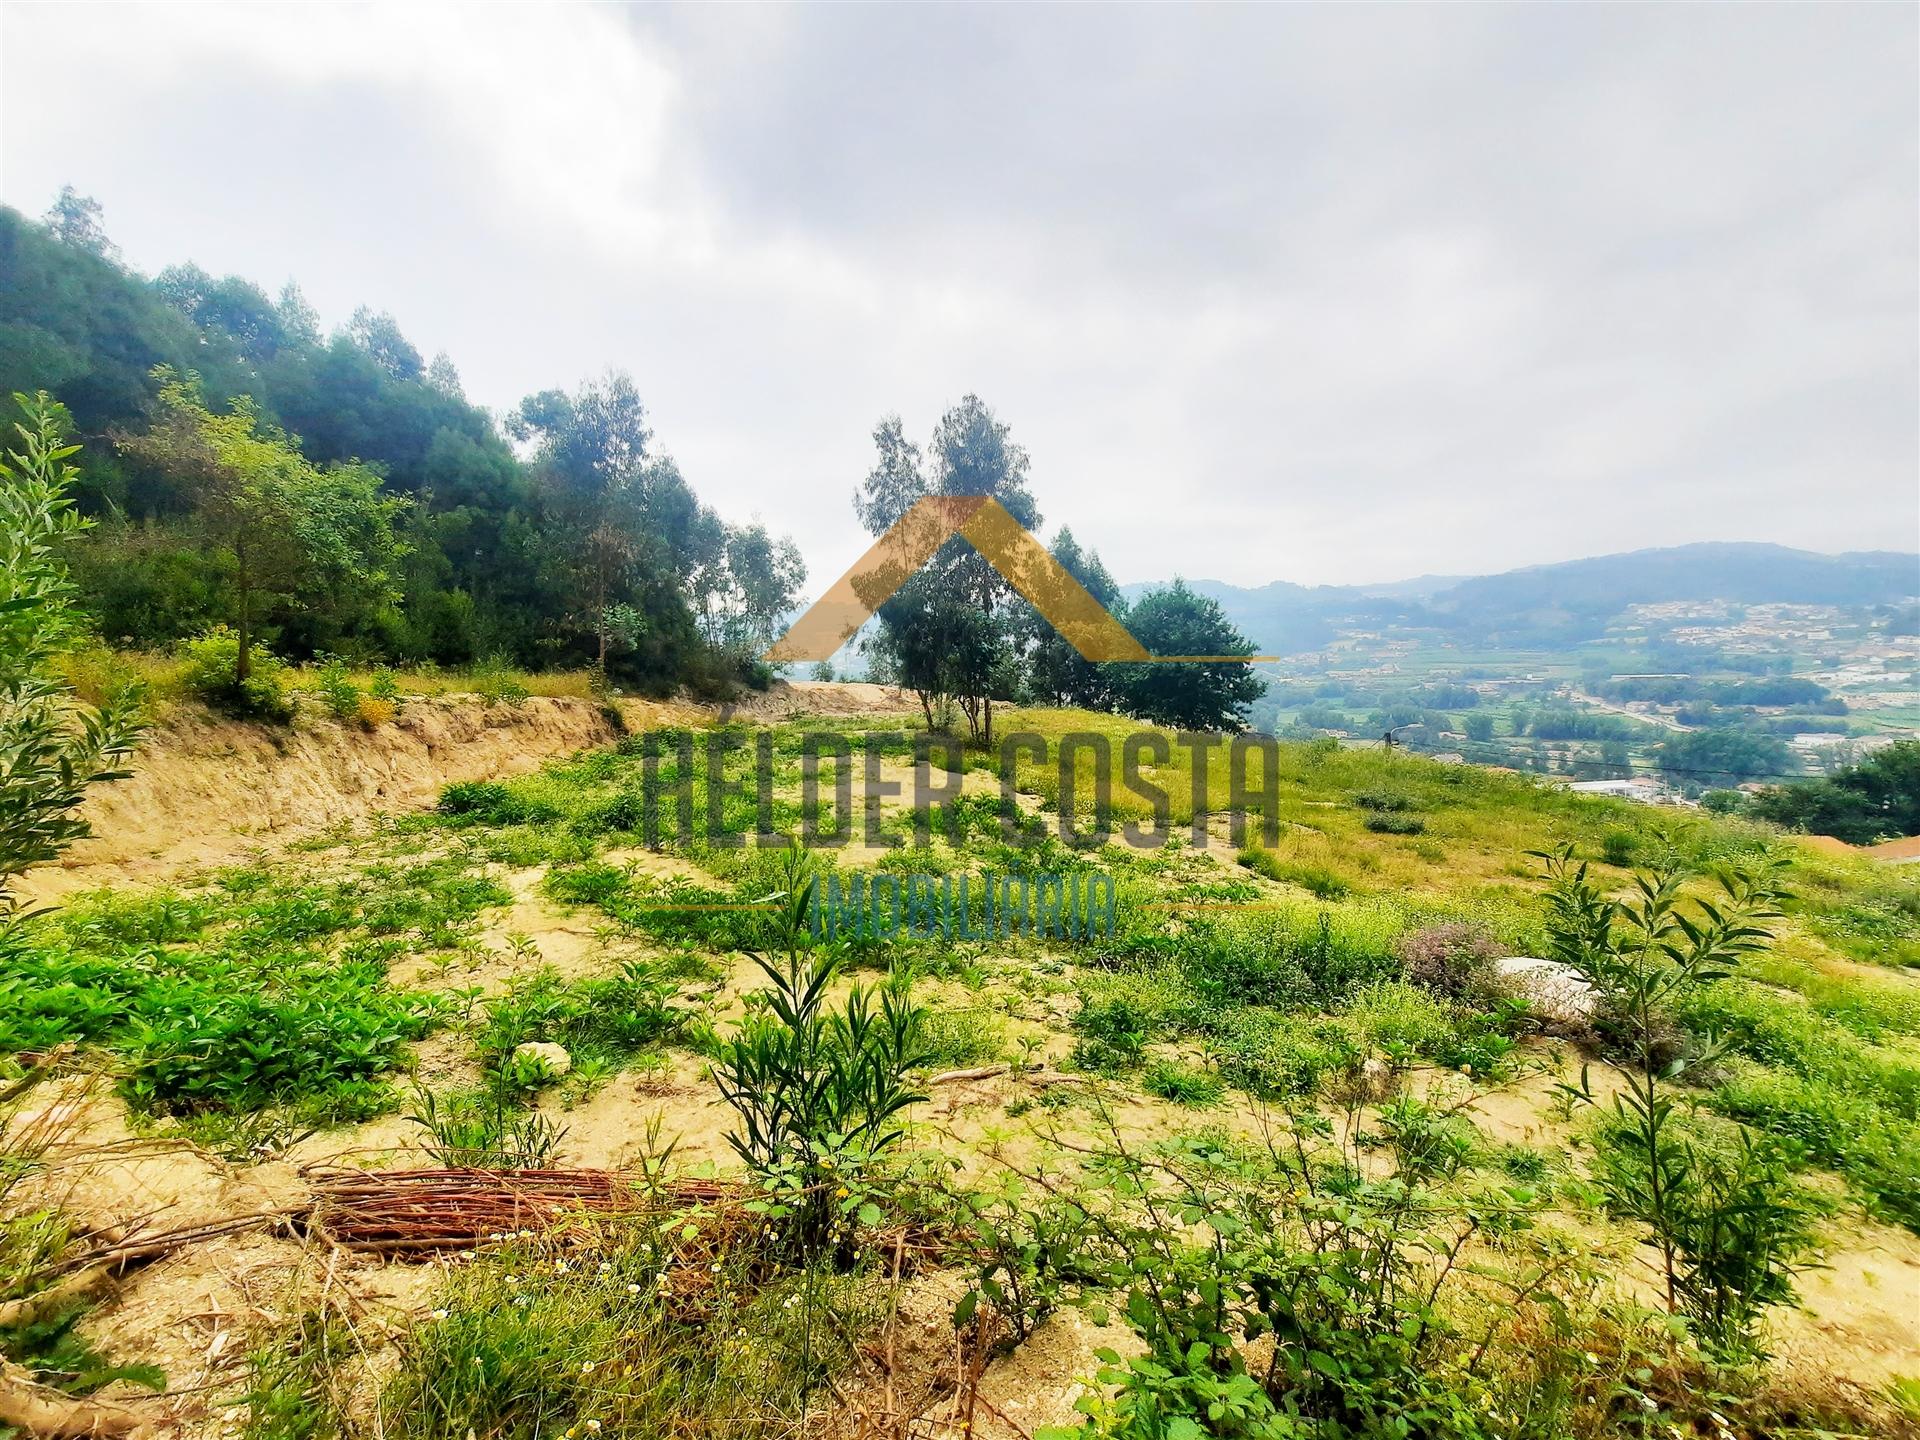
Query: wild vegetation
(1253, 1142)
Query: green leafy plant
(54, 748)
(1394, 823)
(207, 669)
(488, 1130)
(337, 692)
(818, 1091)
(495, 682)
(1334, 1259)
(1028, 1249)
(1183, 1084)
(1729, 1233)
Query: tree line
(338, 494)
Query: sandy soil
(206, 791)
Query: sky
(1322, 295)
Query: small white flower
(438, 1315)
(633, 1289)
(594, 1426)
(586, 1367)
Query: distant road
(1614, 709)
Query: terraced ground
(1265, 1042)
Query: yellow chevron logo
(1005, 544)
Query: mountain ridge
(1564, 600)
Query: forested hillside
(560, 534)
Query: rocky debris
(1555, 990)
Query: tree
(591, 459)
(379, 336)
(1055, 670)
(299, 321)
(1730, 1234)
(896, 481)
(287, 528)
(630, 546)
(1176, 621)
(947, 633)
(75, 220)
(1479, 728)
(1861, 805)
(443, 376)
(753, 591)
(52, 747)
(1721, 758)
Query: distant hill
(1552, 604)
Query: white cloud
(1269, 294)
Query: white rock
(1555, 990)
(554, 1057)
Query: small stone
(1556, 991)
(1376, 1079)
(545, 1052)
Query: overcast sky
(1317, 295)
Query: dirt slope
(206, 790)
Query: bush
(497, 684)
(1618, 847)
(1183, 1084)
(1385, 802)
(207, 670)
(1317, 879)
(1450, 959)
(951, 1039)
(1390, 823)
(337, 692)
(372, 712)
(488, 802)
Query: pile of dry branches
(419, 1212)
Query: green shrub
(337, 692)
(1316, 879)
(1390, 823)
(488, 802)
(536, 1342)
(486, 1129)
(818, 1092)
(951, 1038)
(1183, 1084)
(1618, 847)
(207, 670)
(1385, 802)
(495, 682)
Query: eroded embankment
(206, 790)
